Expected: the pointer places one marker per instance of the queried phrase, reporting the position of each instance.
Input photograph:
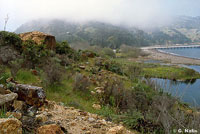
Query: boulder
(50, 129)
(10, 126)
(8, 53)
(40, 38)
(31, 95)
(41, 118)
(7, 99)
(116, 130)
(18, 105)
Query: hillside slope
(102, 34)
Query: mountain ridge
(182, 30)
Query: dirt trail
(79, 122)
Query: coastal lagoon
(188, 91)
(193, 52)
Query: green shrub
(81, 83)
(64, 48)
(53, 71)
(113, 67)
(132, 119)
(33, 52)
(8, 38)
(133, 71)
(15, 66)
(109, 52)
(4, 76)
(132, 52)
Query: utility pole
(6, 21)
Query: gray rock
(7, 98)
(8, 53)
(32, 95)
(91, 119)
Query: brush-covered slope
(102, 34)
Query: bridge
(171, 47)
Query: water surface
(186, 52)
(188, 92)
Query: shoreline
(155, 54)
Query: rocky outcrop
(36, 115)
(50, 129)
(7, 99)
(18, 105)
(40, 38)
(10, 126)
(8, 53)
(31, 95)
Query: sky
(126, 12)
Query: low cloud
(127, 12)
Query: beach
(154, 54)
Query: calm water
(187, 92)
(186, 52)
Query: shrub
(8, 38)
(64, 48)
(113, 67)
(133, 71)
(15, 66)
(132, 119)
(81, 83)
(3, 76)
(53, 71)
(131, 52)
(64, 60)
(109, 52)
(113, 93)
(33, 52)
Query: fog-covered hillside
(182, 30)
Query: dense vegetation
(103, 34)
(83, 78)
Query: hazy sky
(130, 12)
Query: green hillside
(102, 34)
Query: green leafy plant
(81, 83)
(34, 52)
(64, 48)
(8, 38)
